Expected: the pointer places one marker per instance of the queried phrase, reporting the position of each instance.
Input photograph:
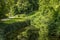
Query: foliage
(42, 14)
(3, 9)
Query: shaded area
(52, 31)
(9, 31)
(2, 27)
(12, 30)
(52, 34)
(33, 34)
(26, 7)
(3, 9)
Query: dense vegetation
(29, 19)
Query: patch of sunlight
(12, 20)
